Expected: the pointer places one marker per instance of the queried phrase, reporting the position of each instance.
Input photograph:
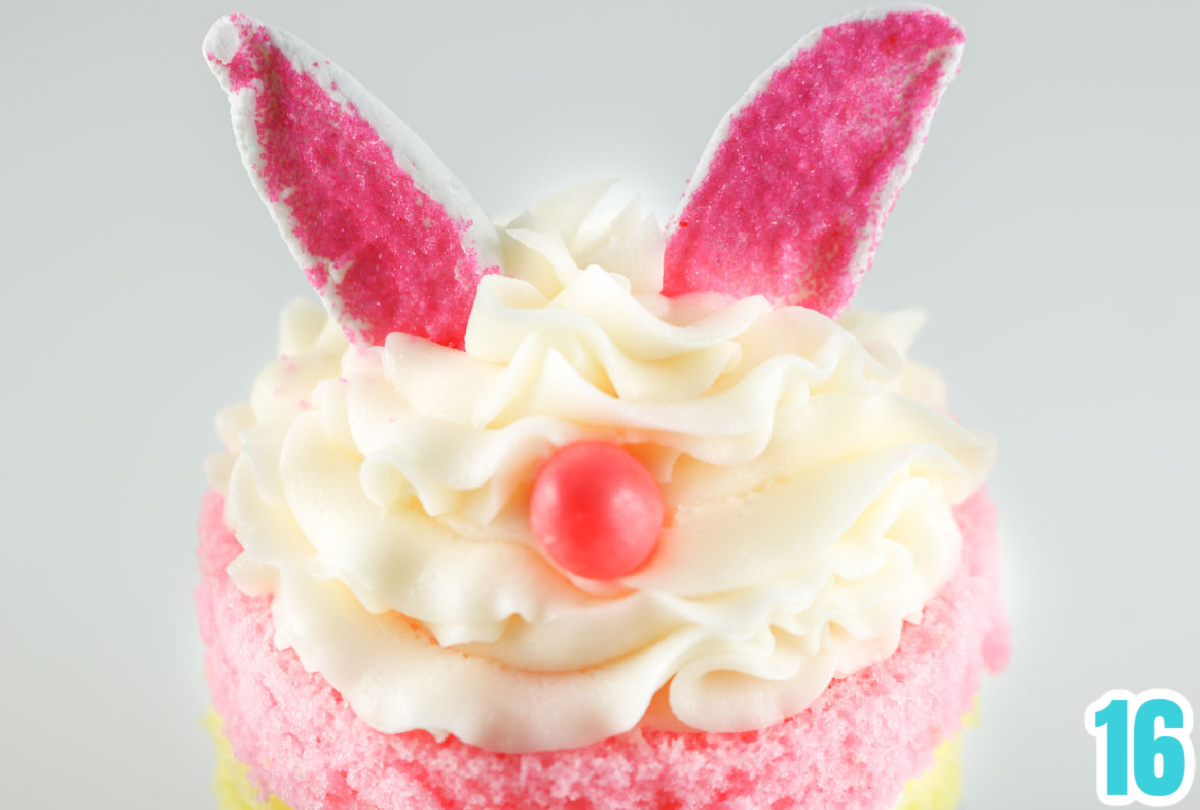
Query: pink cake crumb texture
(852, 750)
(792, 202)
(407, 265)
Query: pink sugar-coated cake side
(810, 166)
(405, 262)
(854, 749)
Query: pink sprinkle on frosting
(386, 257)
(792, 201)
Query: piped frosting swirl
(809, 472)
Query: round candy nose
(596, 510)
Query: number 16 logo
(1144, 750)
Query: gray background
(1049, 232)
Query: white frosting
(380, 494)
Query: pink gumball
(596, 510)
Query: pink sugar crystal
(386, 256)
(851, 750)
(791, 203)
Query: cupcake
(574, 511)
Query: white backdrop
(1048, 231)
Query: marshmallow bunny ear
(386, 234)
(792, 191)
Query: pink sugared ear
(386, 234)
(792, 191)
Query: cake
(574, 511)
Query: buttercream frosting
(380, 492)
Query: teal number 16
(1152, 762)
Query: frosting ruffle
(808, 470)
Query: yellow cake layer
(937, 789)
(940, 787)
(232, 782)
